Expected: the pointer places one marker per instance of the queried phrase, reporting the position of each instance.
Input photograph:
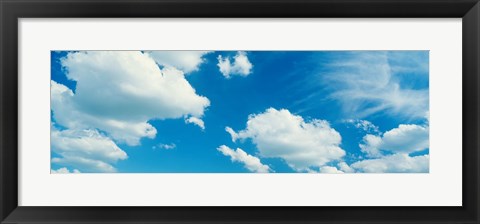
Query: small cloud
(241, 65)
(365, 125)
(63, 170)
(196, 121)
(250, 162)
(165, 146)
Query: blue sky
(240, 111)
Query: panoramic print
(326, 112)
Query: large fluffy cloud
(406, 138)
(396, 163)
(119, 92)
(302, 144)
(116, 94)
(240, 66)
(87, 150)
(186, 61)
(250, 162)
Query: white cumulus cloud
(302, 144)
(240, 66)
(86, 150)
(186, 61)
(406, 138)
(119, 92)
(390, 152)
(250, 162)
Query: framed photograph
(231, 111)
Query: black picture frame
(12, 10)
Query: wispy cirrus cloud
(368, 83)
